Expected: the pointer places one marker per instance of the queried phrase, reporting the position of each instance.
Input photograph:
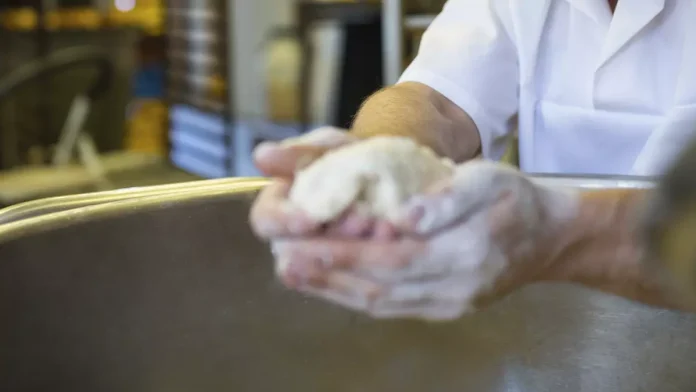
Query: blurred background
(107, 94)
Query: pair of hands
(465, 243)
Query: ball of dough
(376, 175)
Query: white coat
(595, 93)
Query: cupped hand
(484, 233)
(272, 215)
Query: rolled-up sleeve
(467, 55)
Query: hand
(484, 233)
(271, 215)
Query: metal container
(171, 291)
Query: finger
(352, 224)
(414, 210)
(384, 231)
(444, 297)
(432, 213)
(328, 136)
(273, 216)
(278, 160)
(475, 186)
(352, 284)
(427, 309)
(427, 214)
(370, 255)
(343, 287)
(285, 158)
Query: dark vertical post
(229, 112)
(43, 48)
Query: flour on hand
(376, 175)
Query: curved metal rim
(170, 193)
(52, 221)
(34, 208)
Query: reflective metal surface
(172, 293)
(56, 204)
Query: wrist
(603, 229)
(601, 248)
(561, 217)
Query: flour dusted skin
(376, 175)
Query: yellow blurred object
(80, 18)
(217, 87)
(147, 128)
(148, 15)
(24, 19)
(282, 71)
(19, 19)
(52, 20)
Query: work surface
(172, 292)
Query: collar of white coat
(629, 18)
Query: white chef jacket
(595, 93)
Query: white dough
(377, 175)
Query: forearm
(419, 112)
(603, 249)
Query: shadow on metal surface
(172, 292)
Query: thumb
(283, 159)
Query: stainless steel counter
(171, 291)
